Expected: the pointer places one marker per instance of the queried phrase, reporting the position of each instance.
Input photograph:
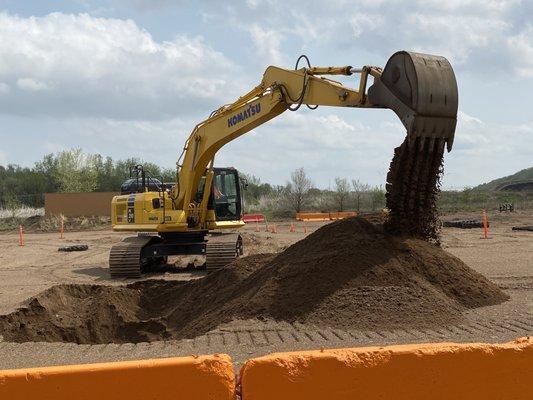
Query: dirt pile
(349, 274)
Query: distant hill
(521, 176)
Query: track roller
(222, 250)
(125, 257)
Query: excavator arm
(421, 89)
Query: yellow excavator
(184, 219)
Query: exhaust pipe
(422, 90)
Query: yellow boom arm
(279, 89)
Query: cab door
(226, 194)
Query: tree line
(299, 194)
(68, 171)
(75, 171)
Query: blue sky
(132, 78)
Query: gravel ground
(506, 259)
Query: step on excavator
(188, 217)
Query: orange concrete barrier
(425, 371)
(308, 216)
(203, 377)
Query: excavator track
(222, 250)
(125, 257)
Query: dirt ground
(506, 259)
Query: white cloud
(107, 67)
(476, 35)
(463, 117)
(252, 3)
(327, 144)
(362, 22)
(455, 5)
(267, 44)
(31, 85)
(108, 84)
(441, 34)
(486, 150)
(4, 88)
(522, 45)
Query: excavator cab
(227, 196)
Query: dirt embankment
(349, 274)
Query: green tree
(297, 190)
(360, 189)
(341, 193)
(377, 196)
(76, 171)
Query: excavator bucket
(421, 89)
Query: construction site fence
(90, 204)
(415, 372)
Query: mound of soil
(349, 274)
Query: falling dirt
(413, 185)
(349, 274)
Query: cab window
(226, 195)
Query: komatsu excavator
(421, 89)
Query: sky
(131, 78)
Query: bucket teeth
(421, 143)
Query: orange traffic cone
(273, 229)
(292, 229)
(21, 235)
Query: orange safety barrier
(307, 216)
(407, 372)
(253, 218)
(202, 377)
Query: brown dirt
(413, 185)
(348, 274)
